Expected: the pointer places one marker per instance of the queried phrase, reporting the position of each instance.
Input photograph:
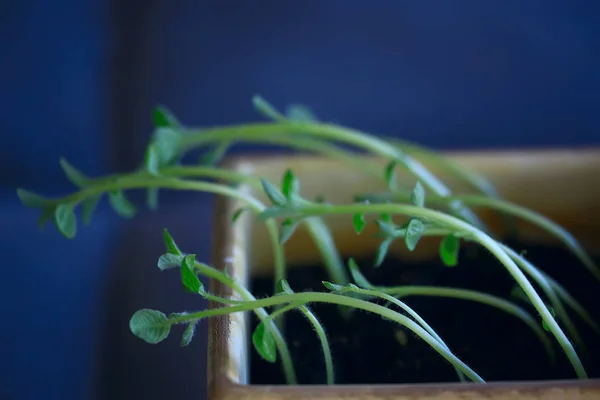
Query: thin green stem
(512, 209)
(286, 359)
(456, 225)
(412, 313)
(319, 297)
(536, 275)
(318, 327)
(331, 132)
(463, 294)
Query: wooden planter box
(563, 185)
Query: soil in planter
(370, 350)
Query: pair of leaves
(418, 193)
(175, 258)
(290, 188)
(153, 327)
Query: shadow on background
(80, 78)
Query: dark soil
(499, 347)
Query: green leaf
(382, 251)
(88, 206)
(168, 261)
(300, 113)
(32, 200)
(121, 204)
(417, 197)
(189, 279)
(162, 117)
(237, 213)
(359, 222)
(152, 159)
(152, 198)
(449, 248)
(73, 175)
(150, 325)
(544, 324)
(288, 227)
(66, 221)
(289, 184)
(414, 231)
(274, 195)
(166, 141)
(387, 228)
(333, 286)
(266, 109)
(264, 343)
(284, 287)
(188, 334)
(213, 157)
(170, 244)
(389, 175)
(357, 275)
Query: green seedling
(430, 209)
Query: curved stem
(456, 225)
(319, 297)
(331, 132)
(286, 359)
(412, 313)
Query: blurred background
(79, 79)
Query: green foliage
(430, 209)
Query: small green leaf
(188, 334)
(544, 324)
(150, 325)
(166, 142)
(88, 206)
(288, 227)
(213, 157)
(382, 251)
(66, 221)
(266, 109)
(189, 279)
(417, 197)
(289, 184)
(32, 200)
(152, 198)
(274, 195)
(162, 117)
(359, 222)
(152, 159)
(73, 175)
(284, 287)
(357, 275)
(389, 175)
(264, 343)
(387, 228)
(300, 113)
(168, 261)
(333, 286)
(121, 204)
(449, 248)
(237, 213)
(170, 244)
(414, 231)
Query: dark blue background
(79, 79)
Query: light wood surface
(564, 185)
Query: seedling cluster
(431, 209)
